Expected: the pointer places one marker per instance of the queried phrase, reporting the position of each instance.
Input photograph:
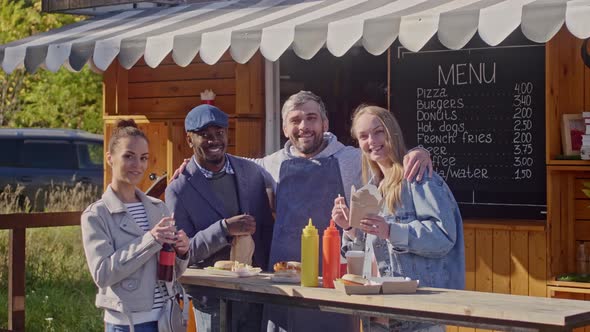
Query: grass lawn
(59, 290)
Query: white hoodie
(349, 160)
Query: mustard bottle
(310, 255)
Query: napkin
(363, 201)
(242, 249)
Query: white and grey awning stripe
(272, 26)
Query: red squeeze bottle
(166, 263)
(330, 255)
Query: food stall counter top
(443, 306)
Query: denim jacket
(426, 237)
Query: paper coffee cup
(354, 261)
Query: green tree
(45, 99)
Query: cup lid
(355, 253)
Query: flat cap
(203, 116)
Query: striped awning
(273, 26)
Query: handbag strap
(175, 289)
(185, 300)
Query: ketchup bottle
(310, 256)
(330, 255)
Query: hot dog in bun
(287, 272)
(287, 266)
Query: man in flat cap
(216, 198)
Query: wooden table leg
(225, 314)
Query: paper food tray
(396, 285)
(239, 274)
(286, 279)
(357, 290)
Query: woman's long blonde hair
(390, 183)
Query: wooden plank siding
(501, 263)
(507, 257)
(537, 270)
(184, 88)
(567, 91)
(159, 99)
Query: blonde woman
(419, 231)
(123, 233)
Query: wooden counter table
(452, 307)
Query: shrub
(14, 201)
(58, 198)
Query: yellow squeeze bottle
(310, 253)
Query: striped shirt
(137, 211)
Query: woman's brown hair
(125, 128)
(390, 183)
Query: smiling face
(129, 160)
(304, 127)
(209, 146)
(373, 140)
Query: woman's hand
(164, 231)
(340, 212)
(376, 225)
(181, 244)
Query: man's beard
(215, 161)
(315, 147)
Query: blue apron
(307, 189)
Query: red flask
(166, 263)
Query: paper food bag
(364, 201)
(242, 249)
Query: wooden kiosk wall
(568, 91)
(159, 99)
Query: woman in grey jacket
(123, 233)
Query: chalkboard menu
(480, 111)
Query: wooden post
(225, 314)
(16, 279)
(17, 224)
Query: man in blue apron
(307, 174)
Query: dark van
(40, 158)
